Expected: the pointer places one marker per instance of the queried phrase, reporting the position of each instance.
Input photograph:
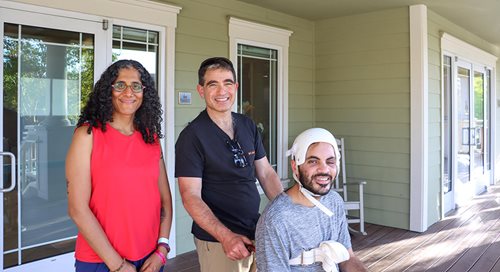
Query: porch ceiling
(479, 17)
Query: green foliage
(478, 97)
(10, 58)
(33, 65)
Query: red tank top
(125, 196)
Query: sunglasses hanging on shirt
(239, 158)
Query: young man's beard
(308, 183)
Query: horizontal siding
(302, 101)
(398, 55)
(359, 43)
(202, 46)
(362, 94)
(360, 115)
(367, 129)
(302, 61)
(300, 74)
(298, 127)
(363, 86)
(389, 160)
(370, 172)
(374, 144)
(387, 218)
(380, 71)
(300, 87)
(301, 47)
(354, 25)
(364, 101)
(300, 115)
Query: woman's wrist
(162, 250)
(120, 267)
(163, 245)
(162, 257)
(165, 248)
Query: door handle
(12, 171)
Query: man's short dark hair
(214, 63)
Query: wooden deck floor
(466, 240)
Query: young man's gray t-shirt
(286, 229)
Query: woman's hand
(152, 264)
(128, 267)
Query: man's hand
(235, 246)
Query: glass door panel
(463, 134)
(478, 120)
(479, 143)
(257, 96)
(487, 125)
(466, 131)
(47, 75)
(448, 186)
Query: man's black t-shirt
(202, 151)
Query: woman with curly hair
(118, 192)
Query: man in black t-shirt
(219, 155)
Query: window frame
(255, 34)
(237, 104)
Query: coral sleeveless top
(125, 196)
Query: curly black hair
(99, 108)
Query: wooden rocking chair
(341, 186)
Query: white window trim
(255, 34)
(419, 88)
(467, 51)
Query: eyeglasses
(239, 158)
(121, 86)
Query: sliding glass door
(49, 66)
(466, 131)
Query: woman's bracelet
(163, 240)
(162, 257)
(120, 267)
(165, 245)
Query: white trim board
(419, 161)
(467, 51)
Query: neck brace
(311, 197)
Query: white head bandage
(298, 153)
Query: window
(137, 44)
(257, 77)
(260, 55)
